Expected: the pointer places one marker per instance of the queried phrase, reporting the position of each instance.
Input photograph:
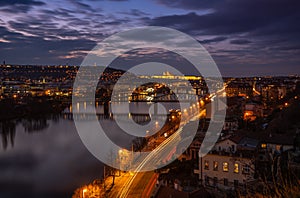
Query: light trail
(162, 148)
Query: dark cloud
(115, 22)
(213, 40)
(18, 6)
(252, 32)
(62, 12)
(20, 2)
(135, 12)
(33, 50)
(82, 6)
(240, 41)
(272, 25)
(107, 0)
(190, 4)
(288, 48)
(231, 17)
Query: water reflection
(35, 124)
(8, 132)
(43, 157)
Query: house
(226, 172)
(226, 145)
(239, 89)
(191, 152)
(231, 124)
(253, 110)
(277, 143)
(230, 164)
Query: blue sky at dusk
(245, 37)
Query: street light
(120, 158)
(83, 192)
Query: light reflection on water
(44, 157)
(49, 162)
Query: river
(44, 157)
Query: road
(141, 185)
(133, 186)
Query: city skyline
(245, 38)
(149, 98)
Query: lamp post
(120, 158)
(83, 192)
(201, 171)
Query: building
(239, 89)
(253, 110)
(231, 124)
(277, 143)
(192, 151)
(230, 164)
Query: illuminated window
(215, 166)
(236, 168)
(225, 166)
(263, 146)
(246, 169)
(206, 165)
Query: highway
(136, 182)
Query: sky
(244, 37)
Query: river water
(44, 157)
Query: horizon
(252, 76)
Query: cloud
(135, 12)
(30, 50)
(230, 16)
(18, 6)
(82, 6)
(20, 2)
(260, 31)
(240, 41)
(272, 25)
(214, 40)
(289, 48)
(191, 4)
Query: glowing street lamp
(83, 192)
